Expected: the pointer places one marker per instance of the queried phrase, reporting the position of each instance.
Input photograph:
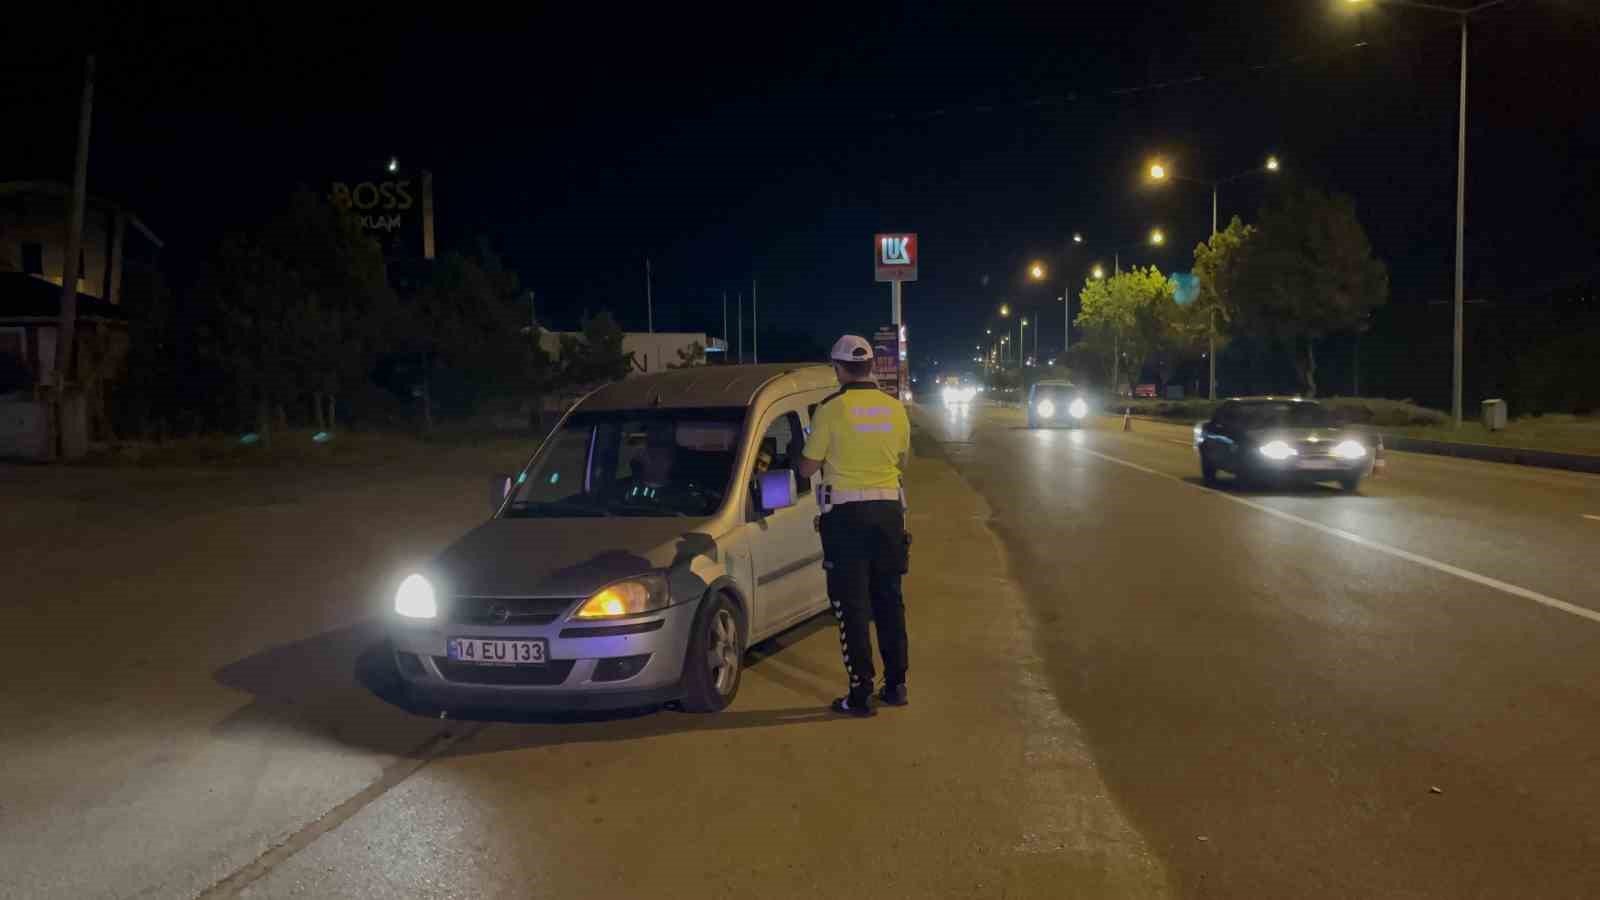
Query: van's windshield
(675, 462)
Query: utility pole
(755, 334)
(1461, 219)
(739, 299)
(1211, 330)
(724, 326)
(649, 299)
(66, 334)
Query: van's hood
(561, 557)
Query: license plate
(498, 653)
(1319, 464)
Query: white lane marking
(1587, 516)
(1352, 537)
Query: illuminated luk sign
(894, 257)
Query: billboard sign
(390, 210)
(894, 257)
(889, 359)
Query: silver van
(657, 533)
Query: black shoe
(852, 706)
(894, 695)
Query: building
(33, 233)
(653, 351)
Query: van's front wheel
(716, 657)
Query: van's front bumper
(590, 664)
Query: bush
(1177, 410)
(1346, 410)
(1383, 413)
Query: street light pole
(1211, 325)
(1461, 218)
(1462, 15)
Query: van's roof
(710, 386)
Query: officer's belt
(836, 496)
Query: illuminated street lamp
(394, 164)
(1036, 272)
(1005, 310)
(1077, 238)
(1098, 272)
(1157, 237)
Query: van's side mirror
(499, 487)
(776, 489)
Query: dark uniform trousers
(865, 553)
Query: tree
(692, 355)
(595, 355)
(1307, 273)
(1133, 311)
(466, 321)
(1216, 267)
(341, 317)
(296, 309)
(250, 294)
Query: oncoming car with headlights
(1266, 439)
(955, 390)
(656, 534)
(1056, 403)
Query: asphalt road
(1124, 685)
(1309, 693)
(195, 707)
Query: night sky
(729, 144)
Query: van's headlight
(626, 598)
(1078, 409)
(1046, 408)
(415, 599)
(1349, 450)
(1278, 450)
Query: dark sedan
(1281, 439)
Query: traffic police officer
(860, 437)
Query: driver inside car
(653, 469)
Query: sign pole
(894, 302)
(427, 214)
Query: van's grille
(553, 673)
(508, 610)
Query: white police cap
(852, 348)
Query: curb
(1519, 456)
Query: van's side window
(781, 446)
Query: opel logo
(500, 613)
